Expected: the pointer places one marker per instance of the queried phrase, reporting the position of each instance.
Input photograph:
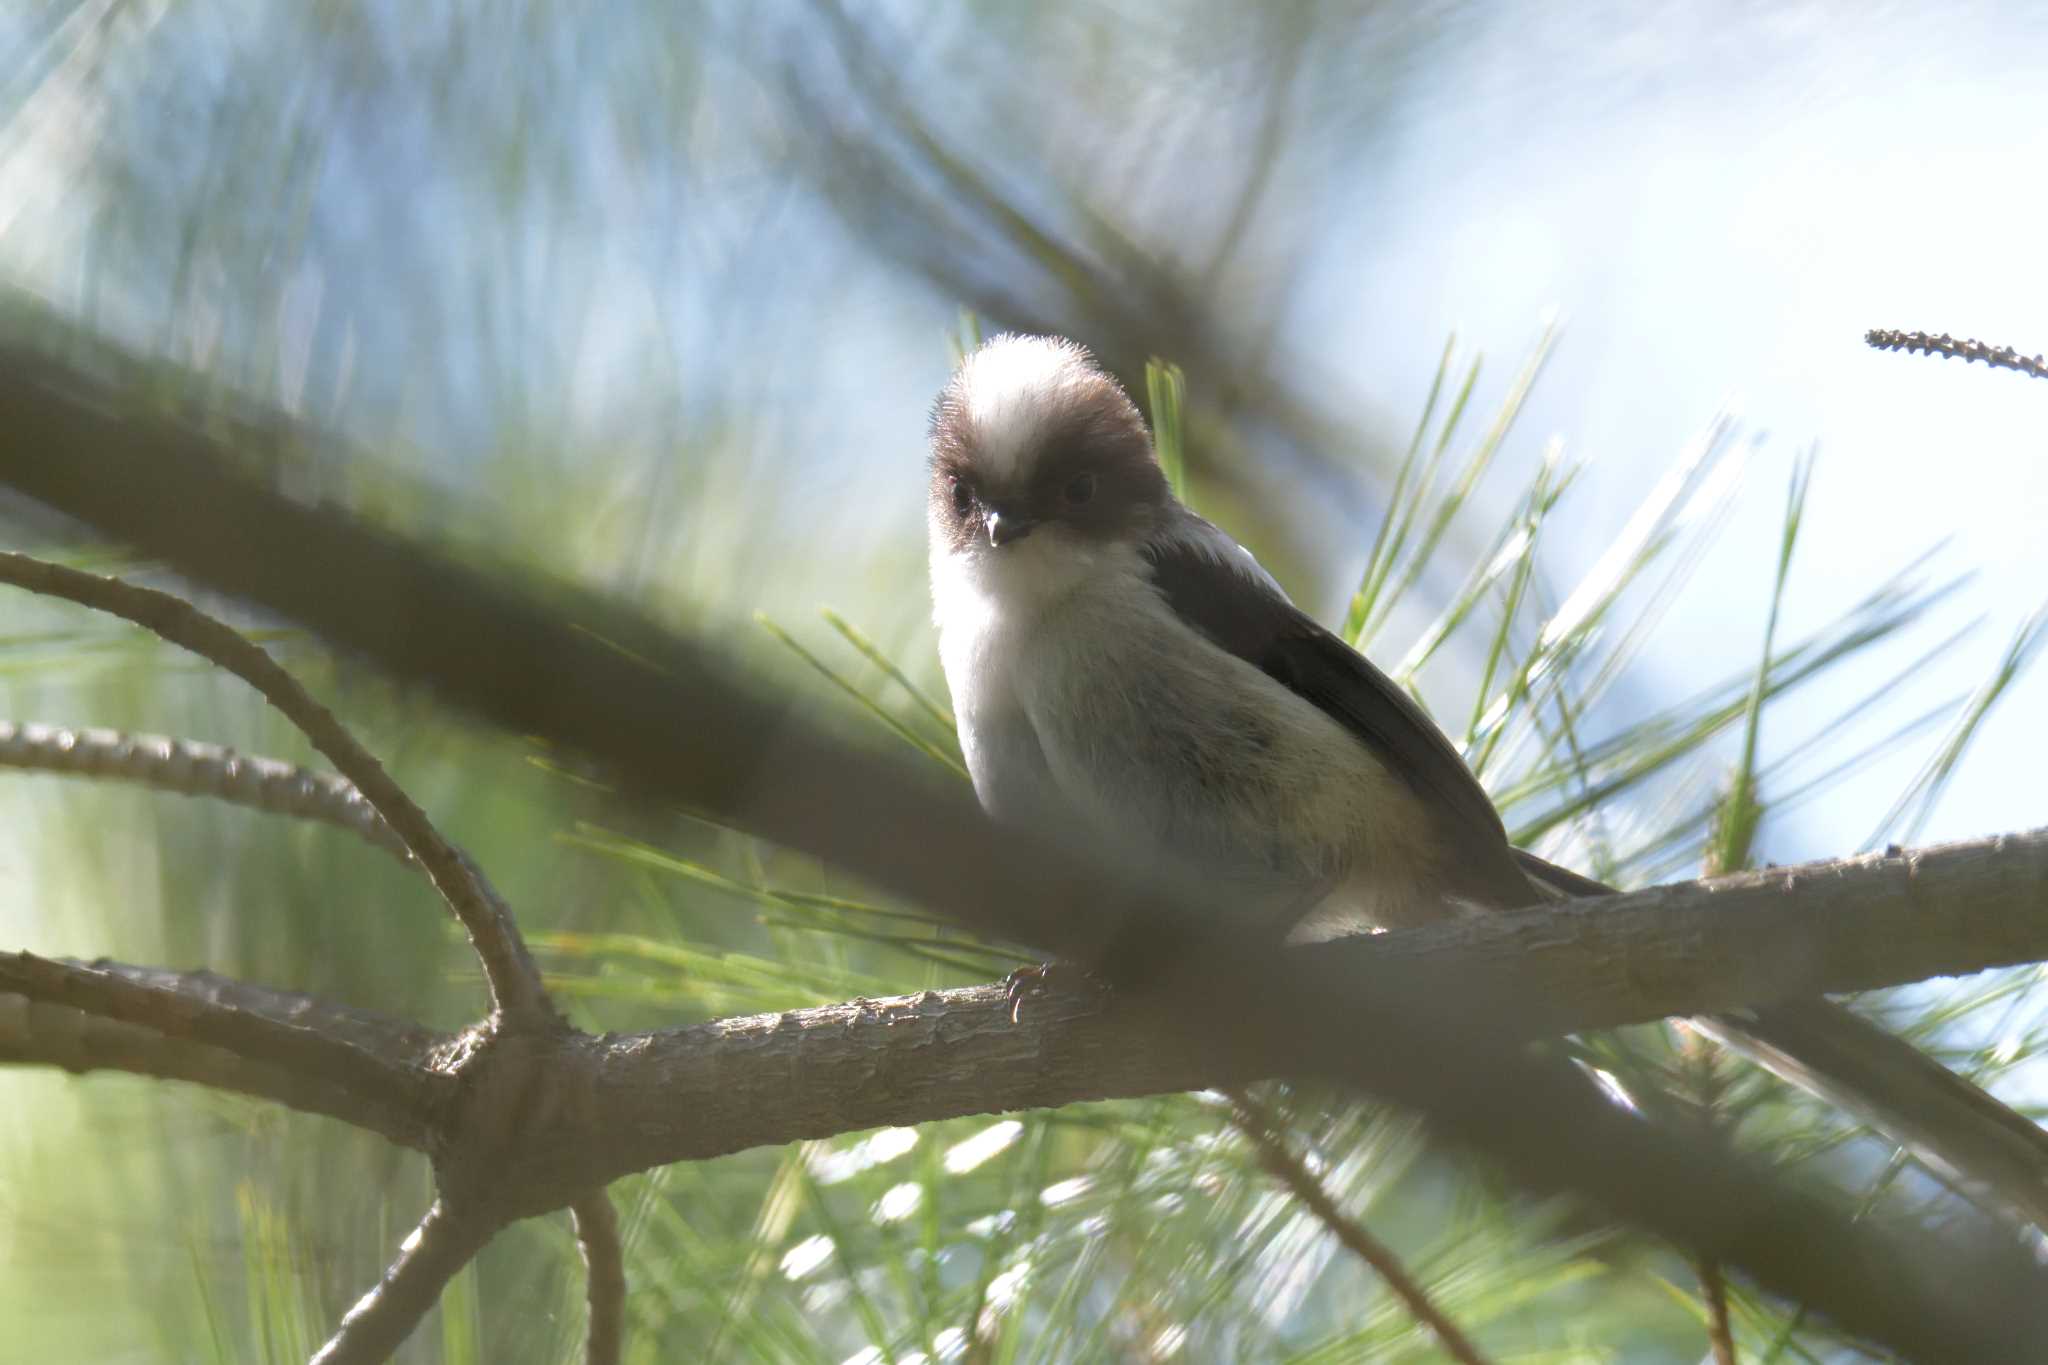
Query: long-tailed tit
(1125, 673)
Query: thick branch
(1692, 948)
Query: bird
(1126, 675)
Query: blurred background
(1504, 332)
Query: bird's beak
(1004, 527)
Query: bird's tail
(1962, 1133)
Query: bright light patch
(887, 1144)
(1615, 1090)
(899, 1203)
(991, 1224)
(829, 1167)
(990, 1142)
(825, 1295)
(1004, 1288)
(806, 1256)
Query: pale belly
(1120, 726)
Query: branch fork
(509, 1094)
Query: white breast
(1084, 701)
(989, 621)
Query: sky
(1720, 200)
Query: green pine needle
(867, 703)
(1166, 395)
(1925, 792)
(869, 651)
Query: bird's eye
(963, 498)
(1080, 488)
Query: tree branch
(438, 1248)
(191, 768)
(508, 969)
(597, 1237)
(1946, 346)
(1691, 948)
(390, 1086)
(33, 1033)
(1256, 1122)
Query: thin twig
(509, 972)
(436, 1251)
(1924, 343)
(1714, 1292)
(193, 768)
(44, 1034)
(1256, 1122)
(597, 1237)
(184, 1012)
(1728, 852)
(1702, 1064)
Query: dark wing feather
(1815, 1044)
(1240, 611)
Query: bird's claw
(1042, 977)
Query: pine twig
(1702, 1065)
(1923, 343)
(1729, 846)
(1714, 1290)
(108, 992)
(192, 768)
(509, 971)
(82, 1039)
(1256, 1122)
(597, 1237)
(438, 1248)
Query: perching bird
(1125, 673)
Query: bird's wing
(1220, 590)
(1214, 585)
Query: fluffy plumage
(1124, 672)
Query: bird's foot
(1043, 977)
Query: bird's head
(1031, 439)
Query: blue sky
(1721, 199)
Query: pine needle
(868, 704)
